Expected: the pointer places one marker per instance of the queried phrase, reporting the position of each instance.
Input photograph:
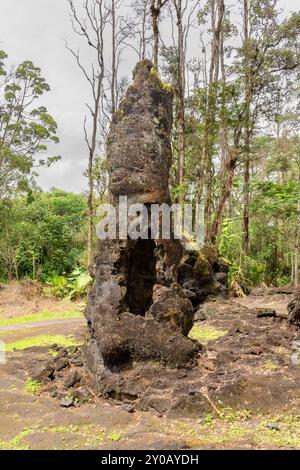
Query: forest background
(234, 72)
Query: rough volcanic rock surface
(138, 145)
(246, 365)
(126, 321)
(141, 307)
(203, 274)
(171, 305)
(294, 309)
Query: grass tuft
(42, 340)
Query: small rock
(239, 327)
(72, 378)
(181, 374)
(265, 312)
(128, 408)
(77, 361)
(221, 277)
(273, 426)
(66, 402)
(61, 352)
(209, 365)
(61, 363)
(226, 356)
(52, 390)
(257, 350)
(43, 373)
(200, 315)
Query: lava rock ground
(243, 393)
(244, 362)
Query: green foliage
(59, 286)
(244, 269)
(73, 287)
(238, 110)
(25, 130)
(79, 282)
(42, 235)
(32, 386)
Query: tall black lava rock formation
(138, 312)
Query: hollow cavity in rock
(141, 276)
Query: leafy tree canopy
(25, 128)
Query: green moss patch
(205, 333)
(42, 340)
(32, 386)
(16, 443)
(88, 434)
(114, 436)
(236, 428)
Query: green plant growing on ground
(208, 419)
(271, 365)
(32, 386)
(73, 287)
(114, 436)
(42, 340)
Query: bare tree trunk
(232, 158)
(91, 28)
(224, 125)
(92, 149)
(296, 247)
(209, 125)
(156, 6)
(113, 60)
(181, 94)
(247, 130)
(155, 15)
(143, 40)
(246, 195)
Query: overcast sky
(34, 30)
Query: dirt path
(44, 323)
(26, 298)
(277, 302)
